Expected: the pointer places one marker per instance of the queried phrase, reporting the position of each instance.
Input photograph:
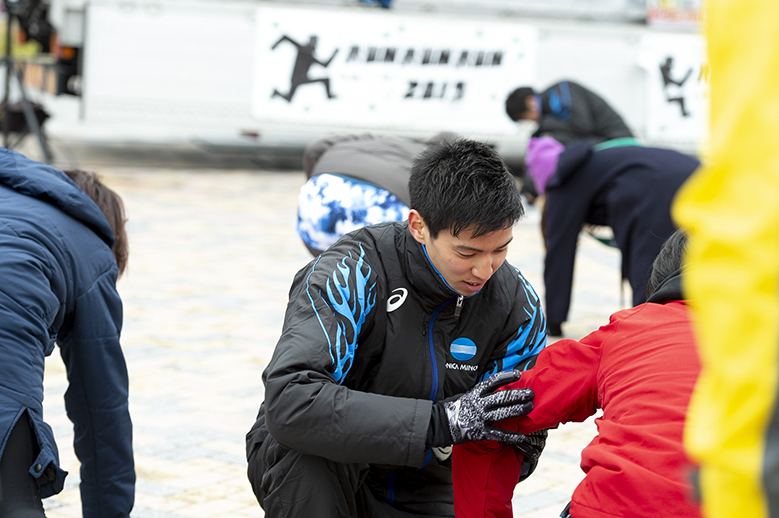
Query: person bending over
(62, 248)
(620, 184)
(567, 111)
(354, 181)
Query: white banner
(376, 69)
(677, 87)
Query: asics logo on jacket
(397, 299)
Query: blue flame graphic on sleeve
(530, 339)
(351, 299)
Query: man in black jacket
(394, 343)
(567, 111)
(619, 184)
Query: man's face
(533, 111)
(465, 262)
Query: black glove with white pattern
(471, 415)
(533, 444)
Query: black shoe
(554, 330)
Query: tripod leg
(8, 66)
(15, 139)
(32, 121)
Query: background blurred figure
(62, 247)
(640, 369)
(567, 111)
(626, 187)
(386, 4)
(354, 181)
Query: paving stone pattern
(212, 254)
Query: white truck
(249, 74)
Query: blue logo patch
(463, 349)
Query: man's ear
(416, 225)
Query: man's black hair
(459, 184)
(668, 261)
(516, 102)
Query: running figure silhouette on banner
(303, 62)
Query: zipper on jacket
(459, 307)
(433, 390)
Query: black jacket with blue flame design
(370, 340)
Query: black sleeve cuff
(438, 433)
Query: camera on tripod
(33, 16)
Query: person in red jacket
(640, 369)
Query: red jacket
(640, 369)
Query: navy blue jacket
(58, 285)
(628, 188)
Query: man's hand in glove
(471, 415)
(531, 449)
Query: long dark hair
(112, 207)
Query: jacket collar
(668, 290)
(421, 273)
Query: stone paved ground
(212, 256)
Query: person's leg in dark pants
(289, 484)
(19, 495)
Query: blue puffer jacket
(58, 284)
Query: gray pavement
(213, 250)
